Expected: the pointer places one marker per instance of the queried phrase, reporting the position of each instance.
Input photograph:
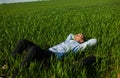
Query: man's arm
(88, 43)
(71, 36)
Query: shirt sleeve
(88, 43)
(71, 36)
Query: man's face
(79, 38)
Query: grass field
(50, 22)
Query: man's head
(79, 38)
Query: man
(73, 43)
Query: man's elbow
(92, 42)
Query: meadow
(48, 23)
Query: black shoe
(87, 62)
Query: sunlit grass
(49, 23)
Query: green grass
(49, 23)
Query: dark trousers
(33, 52)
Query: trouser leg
(32, 54)
(36, 53)
(33, 51)
(22, 45)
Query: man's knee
(22, 41)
